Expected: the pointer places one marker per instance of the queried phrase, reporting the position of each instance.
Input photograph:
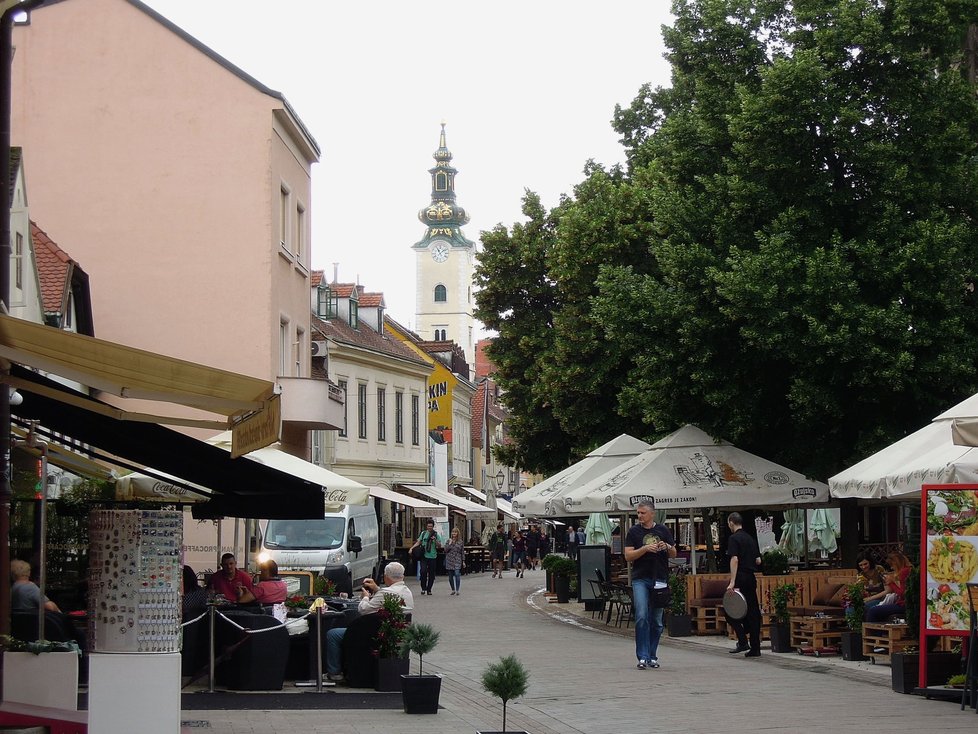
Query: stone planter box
(49, 679)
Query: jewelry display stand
(134, 620)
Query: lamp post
(8, 9)
(500, 479)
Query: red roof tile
(364, 337)
(371, 300)
(53, 269)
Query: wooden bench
(55, 721)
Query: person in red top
(896, 583)
(231, 582)
(270, 589)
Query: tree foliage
(789, 260)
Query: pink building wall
(162, 169)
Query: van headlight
(335, 558)
(264, 556)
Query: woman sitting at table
(871, 576)
(270, 591)
(896, 584)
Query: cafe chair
(252, 662)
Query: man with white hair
(371, 600)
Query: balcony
(311, 403)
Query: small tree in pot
(852, 637)
(778, 600)
(506, 680)
(678, 622)
(420, 692)
(563, 570)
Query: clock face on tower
(439, 251)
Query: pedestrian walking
(533, 547)
(430, 543)
(517, 558)
(497, 550)
(581, 537)
(648, 547)
(455, 561)
(745, 559)
(571, 543)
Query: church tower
(445, 263)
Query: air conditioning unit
(318, 349)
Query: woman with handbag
(429, 542)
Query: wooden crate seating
(706, 609)
(889, 638)
(808, 583)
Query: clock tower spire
(445, 263)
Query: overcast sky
(527, 90)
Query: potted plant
(852, 636)
(778, 600)
(678, 622)
(905, 664)
(774, 562)
(563, 569)
(547, 565)
(420, 692)
(323, 586)
(506, 680)
(392, 663)
(27, 663)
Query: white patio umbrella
(689, 468)
(545, 498)
(927, 456)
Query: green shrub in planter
(506, 680)
(774, 562)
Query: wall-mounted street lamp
(500, 479)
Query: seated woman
(270, 591)
(896, 583)
(871, 577)
(194, 595)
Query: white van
(343, 546)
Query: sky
(527, 90)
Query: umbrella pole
(805, 538)
(692, 539)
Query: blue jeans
(455, 579)
(334, 649)
(648, 622)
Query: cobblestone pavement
(583, 680)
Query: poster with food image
(951, 553)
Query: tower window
(441, 294)
(441, 181)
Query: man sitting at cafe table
(231, 582)
(371, 600)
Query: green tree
(812, 173)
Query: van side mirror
(356, 544)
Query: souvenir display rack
(134, 581)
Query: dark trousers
(749, 626)
(428, 567)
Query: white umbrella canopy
(545, 498)
(927, 456)
(688, 468)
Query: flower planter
(420, 693)
(904, 668)
(679, 625)
(389, 672)
(562, 587)
(22, 672)
(852, 645)
(780, 638)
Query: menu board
(134, 580)
(951, 554)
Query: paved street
(584, 680)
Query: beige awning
(420, 507)
(471, 509)
(134, 373)
(65, 458)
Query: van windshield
(305, 534)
